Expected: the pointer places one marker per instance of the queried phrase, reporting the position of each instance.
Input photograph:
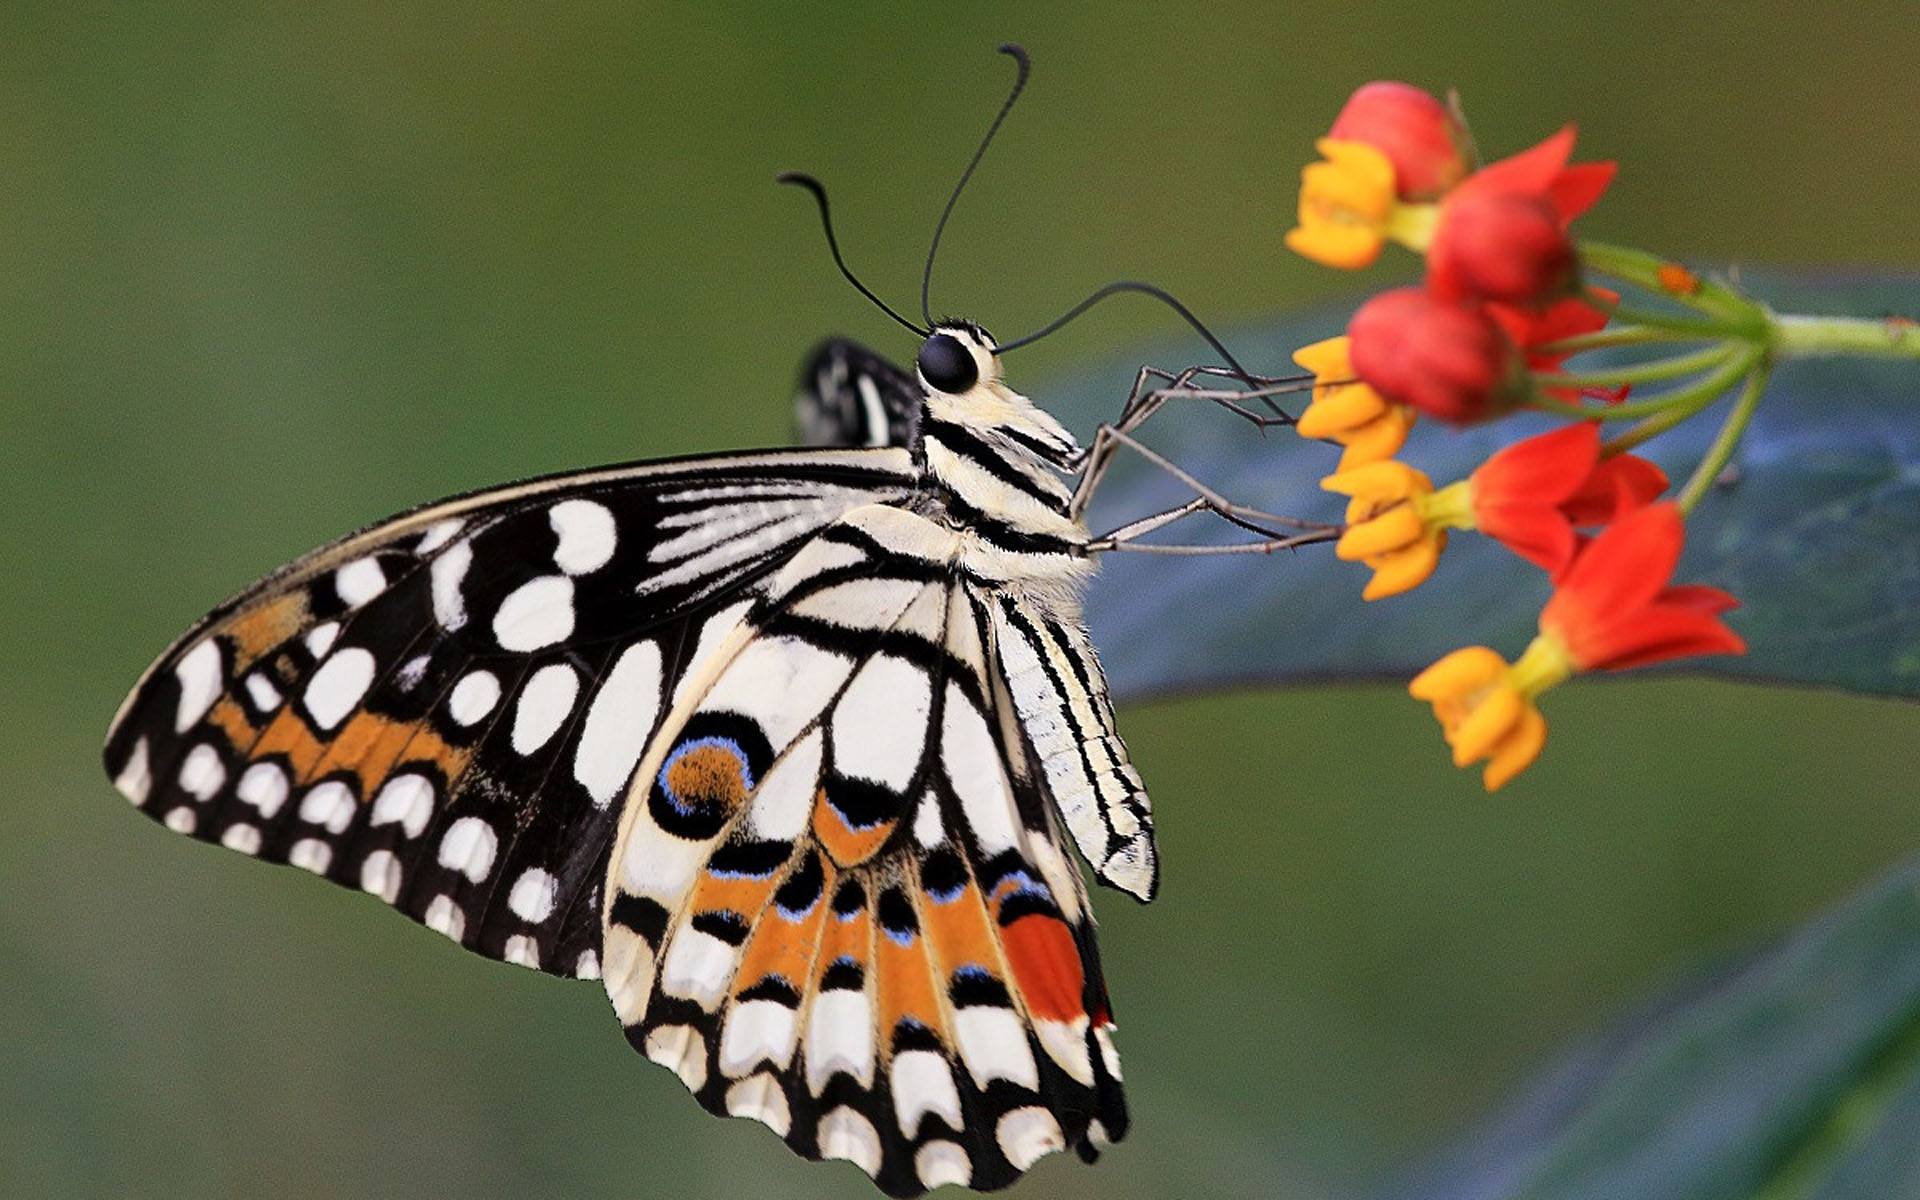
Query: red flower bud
(1418, 134)
(1445, 358)
(1504, 247)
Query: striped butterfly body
(785, 748)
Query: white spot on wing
(845, 1134)
(444, 916)
(993, 1044)
(338, 686)
(199, 674)
(521, 950)
(320, 638)
(780, 682)
(761, 1099)
(473, 697)
(543, 706)
(972, 761)
(698, 967)
(682, 1050)
(406, 799)
(618, 721)
(263, 785)
(784, 804)
(242, 837)
(922, 1084)
(380, 875)
(328, 804)
(839, 1038)
(261, 691)
(202, 773)
(438, 535)
(182, 819)
(535, 615)
(311, 854)
(757, 1031)
(135, 780)
(1027, 1135)
(942, 1162)
(445, 576)
(879, 726)
(586, 534)
(359, 581)
(533, 895)
(468, 847)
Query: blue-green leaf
(1793, 1075)
(1817, 530)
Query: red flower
(1447, 359)
(1420, 136)
(1569, 316)
(1532, 494)
(1502, 234)
(1614, 607)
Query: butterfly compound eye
(947, 365)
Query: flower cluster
(1503, 303)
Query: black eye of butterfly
(946, 365)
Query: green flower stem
(1806, 337)
(1677, 367)
(1677, 404)
(1724, 442)
(1751, 328)
(1643, 270)
(1683, 403)
(1621, 335)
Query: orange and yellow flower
(1349, 207)
(1347, 411)
(1613, 609)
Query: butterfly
(785, 748)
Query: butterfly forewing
(443, 710)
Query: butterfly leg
(1152, 389)
(1127, 536)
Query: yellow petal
(1379, 482)
(1364, 171)
(1326, 359)
(1517, 751)
(1342, 247)
(1395, 529)
(1467, 669)
(1498, 712)
(1380, 438)
(1340, 410)
(1404, 570)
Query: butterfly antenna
(1146, 289)
(801, 179)
(1019, 56)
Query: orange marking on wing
(1046, 964)
(851, 938)
(266, 626)
(429, 747)
(959, 933)
(848, 846)
(743, 896)
(904, 979)
(781, 947)
(232, 721)
(368, 745)
(287, 736)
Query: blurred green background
(268, 271)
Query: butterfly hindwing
(838, 903)
(443, 710)
(850, 396)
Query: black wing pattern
(444, 709)
(850, 396)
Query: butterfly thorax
(996, 466)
